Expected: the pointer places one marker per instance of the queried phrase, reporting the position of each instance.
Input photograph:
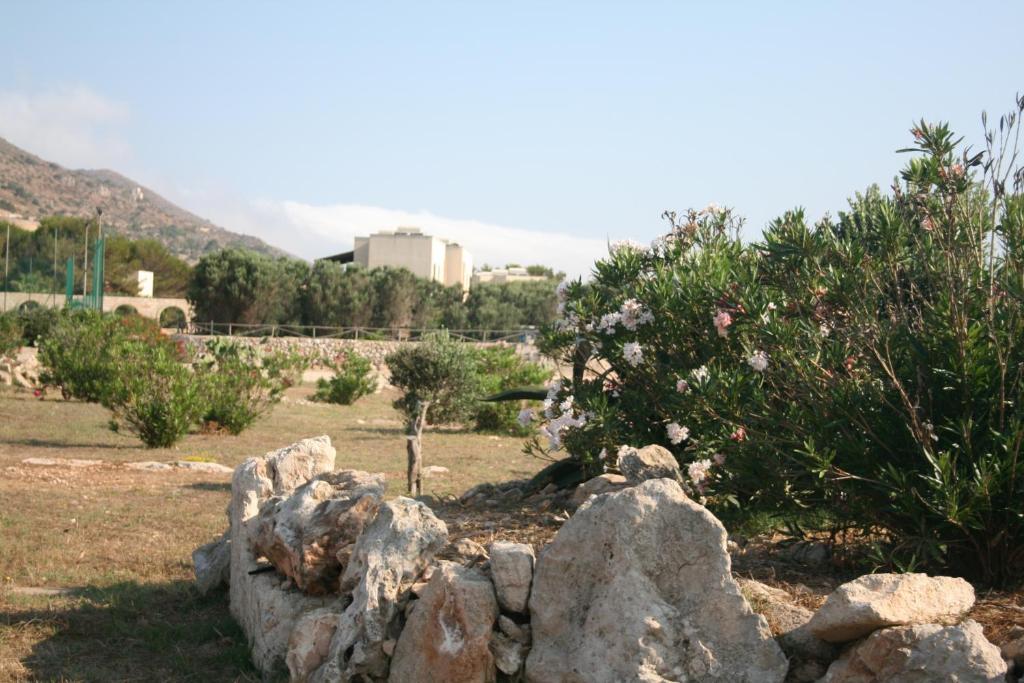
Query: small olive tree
(438, 378)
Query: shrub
(353, 378)
(240, 383)
(10, 334)
(500, 368)
(37, 323)
(860, 375)
(153, 393)
(439, 372)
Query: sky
(531, 132)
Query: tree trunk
(414, 449)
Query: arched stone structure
(146, 306)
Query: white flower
(758, 361)
(549, 405)
(772, 306)
(609, 321)
(722, 320)
(625, 245)
(632, 352)
(566, 405)
(525, 417)
(698, 471)
(633, 313)
(701, 374)
(682, 386)
(677, 434)
(824, 329)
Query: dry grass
(122, 539)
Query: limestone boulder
(307, 536)
(636, 586)
(650, 462)
(310, 641)
(604, 483)
(509, 654)
(921, 653)
(266, 610)
(390, 555)
(447, 637)
(512, 573)
(875, 601)
(212, 564)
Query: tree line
(241, 286)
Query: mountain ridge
(32, 188)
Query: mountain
(31, 188)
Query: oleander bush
(500, 368)
(10, 334)
(353, 378)
(239, 383)
(861, 375)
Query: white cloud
(71, 125)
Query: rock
(148, 465)
(512, 573)
(810, 554)
(464, 551)
(637, 586)
(61, 462)
(266, 612)
(202, 466)
(919, 654)
(875, 601)
(310, 641)
(1014, 650)
(788, 622)
(603, 483)
(212, 564)
(434, 471)
(508, 653)
(388, 558)
(447, 637)
(309, 534)
(517, 632)
(650, 462)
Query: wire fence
(518, 336)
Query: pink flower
(739, 435)
(722, 321)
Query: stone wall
(333, 583)
(319, 351)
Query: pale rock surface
(389, 557)
(212, 564)
(310, 641)
(61, 462)
(447, 636)
(603, 483)
(512, 574)
(649, 462)
(508, 653)
(788, 622)
(148, 466)
(517, 632)
(922, 653)
(266, 612)
(464, 551)
(200, 466)
(875, 601)
(636, 586)
(308, 535)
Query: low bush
(153, 393)
(37, 323)
(10, 334)
(353, 378)
(240, 383)
(499, 368)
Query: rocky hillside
(31, 188)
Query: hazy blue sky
(522, 129)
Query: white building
(426, 256)
(501, 276)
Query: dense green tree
(242, 286)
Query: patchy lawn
(95, 562)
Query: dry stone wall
(332, 583)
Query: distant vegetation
(240, 286)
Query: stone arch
(172, 316)
(27, 306)
(126, 309)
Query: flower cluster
(758, 361)
(722, 321)
(676, 433)
(562, 415)
(632, 352)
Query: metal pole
(7, 265)
(85, 266)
